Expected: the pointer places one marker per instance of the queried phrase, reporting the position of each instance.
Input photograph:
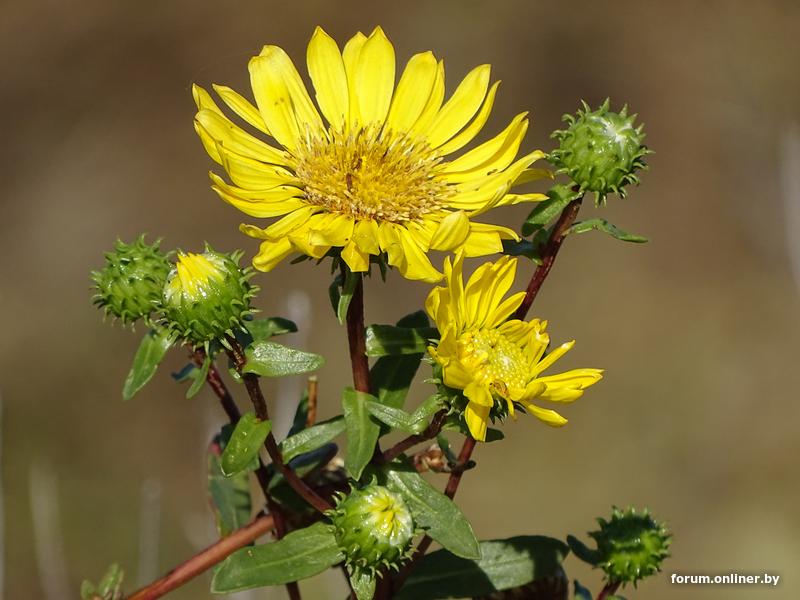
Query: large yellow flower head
(490, 357)
(368, 168)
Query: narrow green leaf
(346, 295)
(422, 415)
(262, 329)
(606, 227)
(245, 442)
(435, 512)
(524, 247)
(151, 352)
(269, 359)
(199, 378)
(230, 496)
(395, 418)
(548, 210)
(363, 584)
(504, 564)
(387, 340)
(301, 554)
(582, 551)
(109, 588)
(300, 415)
(311, 438)
(188, 371)
(362, 431)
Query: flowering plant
(372, 178)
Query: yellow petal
(224, 132)
(350, 54)
(252, 174)
(569, 386)
(486, 288)
(275, 204)
(203, 100)
(242, 107)
(482, 243)
(551, 357)
(461, 106)
(365, 236)
(433, 104)
(472, 160)
(290, 222)
(272, 253)
(357, 260)
(270, 194)
(282, 97)
(326, 68)
(417, 264)
(477, 418)
(456, 375)
(550, 417)
(483, 194)
(504, 310)
(413, 91)
(452, 231)
(330, 229)
(374, 78)
(474, 128)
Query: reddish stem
(356, 337)
(549, 253)
(209, 557)
(609, 590)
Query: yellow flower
(488, 356)
(365, 169)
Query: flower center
(494, 359)
(371, 174)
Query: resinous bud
(631, 545)
(373, 527)
(207, 296)
(129, 286)
(600, 150)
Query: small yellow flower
(193, 272)
(488, 356)
(365, 169)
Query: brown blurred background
(698, 330)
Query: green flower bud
(129, 287)
(207, 295)
(631, 546)
(373, 528)
(600, 150)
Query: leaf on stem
(198, 377)
(504, 564)
(230, 496)
(246, 440)
(262, 329)
(361, 429)
(388, 340)
(606, 227)
(269, 359)
(151, 352)
(363, 584)
(311, 438)
(434, 512)
(548, 210)
(341, 294)
(301, 554)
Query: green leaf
(199, 378)
(582, 551)
(245, 442)
(300, 415)
(435, 512)
(528, 249)
(262, 329)
(269, 359)
(582, 593)
(606, 227)
(346, 295)
(109, 588)
(362, 431)
(395, 418)
(301, 554)
(363, 584)
(422, 415)
(504, 564)
(311, 438)
(391, 376)
(151, 352)
(548, 210)
(387, 340)
(230, 496)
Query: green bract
(631, 545)
(600, 150)
(207, 296)
(130, 285)
(373, 528)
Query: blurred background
(698, 330)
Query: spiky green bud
(600, 150)
(631, 546)
(373, 527)
(207, 296)
(129, 286)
